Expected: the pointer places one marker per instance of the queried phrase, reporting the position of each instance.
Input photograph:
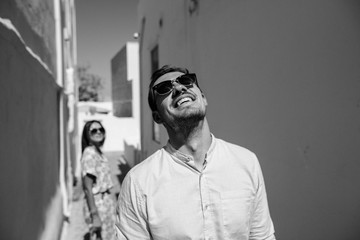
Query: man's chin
(189, 120)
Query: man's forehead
(168, 76)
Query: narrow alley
(76, 228)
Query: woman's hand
(96, 225)
(96, 221)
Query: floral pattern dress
(97, 165)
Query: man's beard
(186, 124)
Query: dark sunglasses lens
(164, 87)
(186, 80)
(95, 130)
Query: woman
(100, 207)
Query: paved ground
(76, 228)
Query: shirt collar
(185, 157)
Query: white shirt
(165, 198)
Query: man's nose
(178, 88)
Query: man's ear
(205, 100)
(156, 117)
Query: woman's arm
(88, 181)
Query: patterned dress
(97, 165)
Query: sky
(103, 28)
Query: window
(155, 66)
(155, 59)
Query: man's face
(181, 104)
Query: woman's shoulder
(90, 151)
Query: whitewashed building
(126, 98)
(282, 79)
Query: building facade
(37, 62)
(126, 98)
(282, 79)
(125, 81)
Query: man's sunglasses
(96, 130)
(167, 86)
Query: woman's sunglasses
(96, 130)
(167, 86)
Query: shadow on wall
(132, 152)
(130, 158)
(124, 168)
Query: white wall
(122, 133)
(282, 79)
(117, 129)
(133, 74)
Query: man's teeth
(181, 101)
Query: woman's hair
(157, 74)
(86, 141)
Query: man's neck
(195, 144)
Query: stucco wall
(282, 79)
(30, 202)
(296, 95)
(34, 19)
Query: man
(197, 186)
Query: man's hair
(157, 74)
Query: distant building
(126, 98)
(125, 81)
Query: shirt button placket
(205, 206)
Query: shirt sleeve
(261, 225)
(131, 212)
(88, 162)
